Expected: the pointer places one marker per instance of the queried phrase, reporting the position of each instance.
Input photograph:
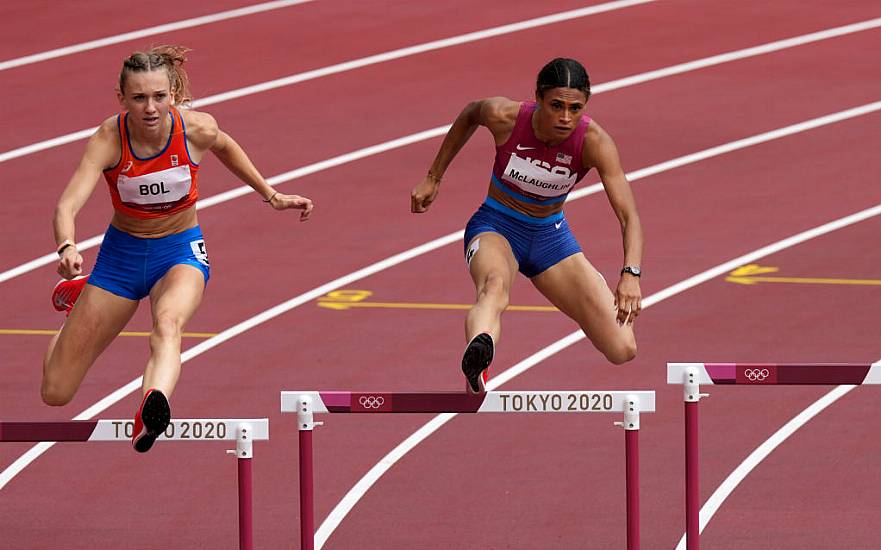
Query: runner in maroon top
(543, 149)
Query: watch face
(632, 269)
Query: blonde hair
(171, 57)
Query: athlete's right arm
(102, 152)
(498, 114)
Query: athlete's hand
(628, 299)
(281, 201)
(71, 263)
(424, 194)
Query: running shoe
(152, 419)
(475, 362)
(66, 292)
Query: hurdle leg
(692, 461)
(631, 453)
(305, 425)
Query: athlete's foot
(151, 420)
(475, 362)
(66, 292)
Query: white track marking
(10, 472)
(441, 130)
(413, 50)
(351, 498)
(762, 451)
(351, 65)
(150, 31)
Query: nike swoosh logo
(519, 148)
(558, 224)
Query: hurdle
(308, 403)
(243, 431)
(692, 375)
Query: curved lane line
(351, 498)
(351, 65)
(150, 31)
(709, 509)
(33, 453)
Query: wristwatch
(632, 269)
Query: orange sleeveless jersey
(156, 186)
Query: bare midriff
(153, 228)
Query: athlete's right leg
(98, 317)
(493, 269)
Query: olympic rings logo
(756, 375)
(371, 402)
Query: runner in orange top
(149, 156)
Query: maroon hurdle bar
(692, 375)
(307, 404)
(243, 431)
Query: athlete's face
(559, 110)
(148, 98)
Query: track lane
(325, 376)
(70, 23)
(282, 345)
(696, 325)
(246, 130)
(266, 50)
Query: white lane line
(441, 130)
(22, 462)
(709, 509)
(150, 31)
(341, 510)
(351, 65)
(413, 50)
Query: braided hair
(562, 72)
(169, 57)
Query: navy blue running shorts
(537, 245)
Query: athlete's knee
(621, 353)
(165, 327)
(495, 291)
(618, 350)
(54, 394)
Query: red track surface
(483, 481)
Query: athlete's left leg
(174, 299)
(579, 291)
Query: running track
(484, 481)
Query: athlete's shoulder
(202, 129)
(103, 148)
(599, 148)
(595, 136)
(108, 130)
(499, 109)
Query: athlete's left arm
(600, 151)
(204, 133)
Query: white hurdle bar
(308, 403)
(243, 431)
(692, 375)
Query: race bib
(199, 251)
(542, 181)
(156, 190)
